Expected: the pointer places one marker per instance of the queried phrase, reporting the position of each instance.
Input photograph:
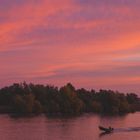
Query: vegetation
(25, 99)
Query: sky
(90, 43)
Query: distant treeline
(25, 99)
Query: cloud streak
(94, 44)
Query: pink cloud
(61, 41)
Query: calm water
(77, 128)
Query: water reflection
(72, 128)
(104, 133)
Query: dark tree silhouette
(26, 99)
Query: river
(84, 127)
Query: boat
(107, 130)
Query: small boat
(107, 130)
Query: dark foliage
(27, 99)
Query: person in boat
(110, 128)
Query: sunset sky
(90, 43)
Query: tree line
(26, 99)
